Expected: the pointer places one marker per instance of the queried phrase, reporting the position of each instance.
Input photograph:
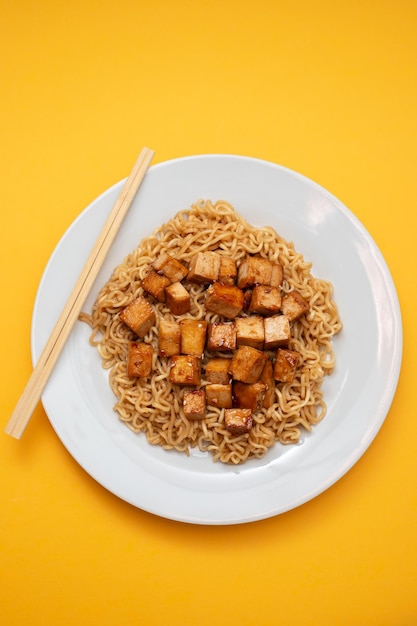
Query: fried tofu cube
(277, 275)
(185, 370)
(248, 396)
(177, 298)
(238, 421)
(247, 364)
(265, 300)
(250, 331)
(204, 267)
(219, 395)
(139, 315)
(155, 284)
(217, 371)
(225, 300)
(221, 337)
(277, 331)
(171, 268)
(194, 404)
(267, 378)
(294, 305)
(286, 365)
(227, 271)
(255, 270)
(139, 359)
(193, 336)
(169, 338)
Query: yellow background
(326, 88)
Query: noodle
(154, 405)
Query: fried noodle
(154, 405)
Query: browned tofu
(171, 268)
(177, 298)
(204, 267)
(155, 284)
(238, 421)
(277, 275)
(185, 370)
(250, 331)
(248, 396)
(247, 364)
(255, 270)
(217, 371)
(267, 377)
(286, 365)
(139, 359)
(277, 331)
(225, 300)
(219, 395)
(265, 300)
(193, 336)
(194, 404)
(294, 305)
(169, 338)
(221, 337)
(227, 270)
(139, 315)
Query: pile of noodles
(154, 405)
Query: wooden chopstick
(53, 348)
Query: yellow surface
(326, 88)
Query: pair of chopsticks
(53, 348)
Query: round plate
(79, 402)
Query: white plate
(78, 400)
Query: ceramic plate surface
(78, 400)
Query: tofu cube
(155, 284)
(227, 271)
(247, 364)
(217, 371)
(277, 331)
(185, 370)
(286, 365)
(177, 299)
(294, 305)
(171, 268)
(265, 300)
(267, 378)
(238, 421)
(250, 331)
(221, 337)
(248, 396)
(139, 315)
(193, 336)
(277, 275)
(169, 338)
(194, 404)
(255, 270)
(139, 359)
(204, 267)
(225, 300)
(219, 395)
